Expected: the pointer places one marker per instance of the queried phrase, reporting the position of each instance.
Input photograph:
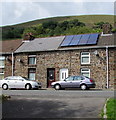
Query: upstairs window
(32, 60)
(85, 58)
(2, 61)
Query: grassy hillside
(89, 20)
(57, 26)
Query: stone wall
(8, 66)
(71, 60)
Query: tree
(50, 25)
(100, 24)
(75, 22)
(63, 25)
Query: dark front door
(50, 76)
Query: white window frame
(2, 73)
(32, 56)
(85, 70)
(32, 73)
(87, 55)
(2, 58)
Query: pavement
(52, 104)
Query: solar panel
(67, 40)
(84, 39)
(93, 39)
(75, 40)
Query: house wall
(70, 60)
(8, 66)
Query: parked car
(74, 82)
(18, 82)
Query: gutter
(67, 49)
(12, 63)
(107, 67)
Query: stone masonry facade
(70, 59)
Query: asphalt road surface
(60, 93)
(51, 104)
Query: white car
(18, 82)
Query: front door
(50, 76)
(63, 73)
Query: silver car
(74, 82)
(18, 82)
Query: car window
(9, 79)
(78, 78)
(6, 79)
(21, 79)
(25, 78)
(69, 78)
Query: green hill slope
(57, 26)
(89, 20)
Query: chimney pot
(106, 28)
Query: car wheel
(4, 86)
(28, 87)
(83, 87)
(57, 87)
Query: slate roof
(41, 44)
(53, 43)
(8, 46)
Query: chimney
(28, 36)
(106, 28)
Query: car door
(10, 82)
(20, 83)
(68, 82)
(77, 81)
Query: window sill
(1, 73)
(33, 65)
(2, 66)
(85, 64)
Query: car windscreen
(25, 78)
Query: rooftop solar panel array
(67, 40)
(75, 40)
(84, 39)
(93, 39)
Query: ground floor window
(85, 72)
(63, 73)
(1, 73)
(2, 61)
(31, 73)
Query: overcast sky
(15, 11)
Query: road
(60, 93)
(50, 104)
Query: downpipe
(12, 64)
(107, 67)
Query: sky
(19, 11)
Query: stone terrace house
(54, 58)
(6, 54)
